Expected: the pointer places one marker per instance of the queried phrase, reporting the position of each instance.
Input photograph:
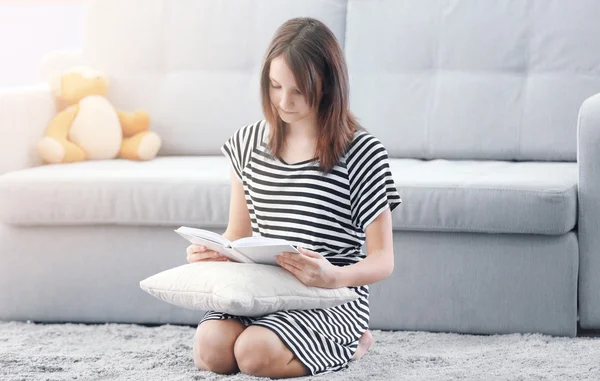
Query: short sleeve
(372, 188)
(239, 146)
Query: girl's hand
(310, 267)
(198, 253)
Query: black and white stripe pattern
(326, 213)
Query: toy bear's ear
(54, 64)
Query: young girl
(309, 174)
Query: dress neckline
(299, 162)
(279, 159)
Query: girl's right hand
(198, 253)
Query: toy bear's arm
(138, 142)
(54, 147)
(133, 123)
(59, 126)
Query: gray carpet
(130, 352)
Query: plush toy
(89, 127)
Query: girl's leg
(259, 352)
(213, 345)
(364, 343)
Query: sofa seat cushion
(437, 195)
(486, 196)
(165, 191)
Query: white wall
(29, 30)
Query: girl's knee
(252, 357)
(259, 352)
(206, 358)
(213, 347)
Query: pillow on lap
(242, 289)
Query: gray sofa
(487, 108)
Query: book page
(265, 254)
(227, 251)
(206, 234)
(258, 241)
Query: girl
(309, 174)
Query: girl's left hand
(310, 267)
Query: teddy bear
(89, 127)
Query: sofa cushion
(486, 196)
(438, 195)
(164, 191)
(467, 79)
(194, 65)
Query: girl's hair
(314, 56)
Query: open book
(246, 250)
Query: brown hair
(314, 56)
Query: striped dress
(326, 213)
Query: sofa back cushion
(451, 79)
(471, 79)
(194, 65)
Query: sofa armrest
(588, 160)
(24, 115)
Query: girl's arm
(312, 269)
(379, 263)
(239, 225)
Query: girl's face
(285, 95)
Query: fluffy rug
(131, 352)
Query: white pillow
(243, 289)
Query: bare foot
(364, 343)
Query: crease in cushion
(243, 289)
